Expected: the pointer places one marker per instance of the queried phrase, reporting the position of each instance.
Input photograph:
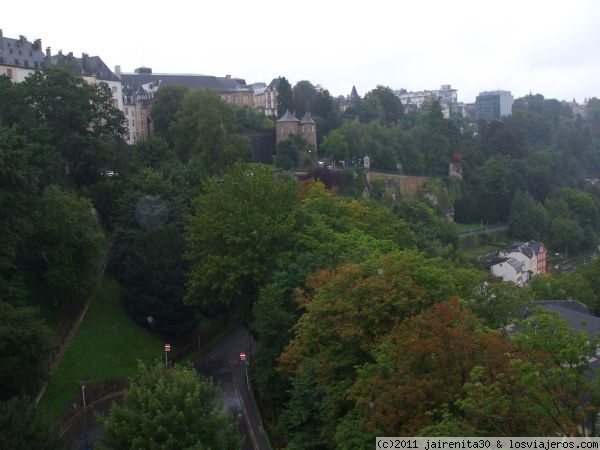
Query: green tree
(21, 427)
(495, 185)
(164, 108)
(170, 408)
(18, 191)
(25, 341)
(152, 274)
(204, 128)
(528, 219)
(335, 146)
(153, 152)
(498, 304)
(392, 107)
(240, 225)
(565, 234)
(285, 97)
(68, 243)
(291, 153)
(74, 123)
(558, 370)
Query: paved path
(487, 229)
(223, 364)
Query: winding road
(221, 363)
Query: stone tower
(288, 124)
(308, 130)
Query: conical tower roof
(307, 119)
(288, 117)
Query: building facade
(447, 97)
(510, 270)
(492, 105)
(20, 58)
(140, 87)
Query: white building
(416, 100)
(510, 269)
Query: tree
(498, 304)
(204, 129)
(68, 243)
(164, 108)
(390, 104)
(565, 234)
(335, 146)
(558, 369)
(349, 312)
(291, 153)
(240, 225)
(21, 427)
(153, 280)
(153, 152)
(422, 365)
(528, 219)
(18, 191)
(495, 185)
(25, 341)
(169, 408)
(76, 120)
(285, 97)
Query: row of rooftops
(25, 54)
(289, 117)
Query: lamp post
(84, 416)
(167, 350)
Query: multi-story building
(140, 87)
(92, 69)
(492, 105)
(416, 100)
(518, 263)
(20, 58)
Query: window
(9, 73)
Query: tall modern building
(491, 105)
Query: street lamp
(84, 416)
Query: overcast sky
(548, 47)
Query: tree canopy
(169, 408)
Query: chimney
(37, 44)
(22, 39)
(1, 35)
(228, 77)
(48, 52)
(84, 61)
(118, 72)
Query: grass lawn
(107, 345)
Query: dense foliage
(365, 323)
(169, 409)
